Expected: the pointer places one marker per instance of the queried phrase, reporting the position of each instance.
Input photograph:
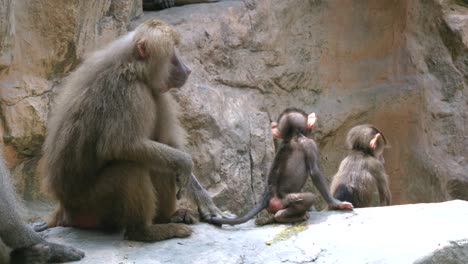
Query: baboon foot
(158, 232)
(183, 216)
(62, 253)
(265, 220)
(209, 210)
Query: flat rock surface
(395, 234)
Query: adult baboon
(295, 160)
(26, 246)
(362, 172)
(163, 4)
(113, 152)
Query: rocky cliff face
(401, 65)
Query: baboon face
(178, 74)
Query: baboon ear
(141, 49)
(373, 142)
(311, 120)
(275, 131)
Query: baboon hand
(184, 167)
(62, 253)
(39, 226)
(341, 206)
(209, 211)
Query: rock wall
(401, 65)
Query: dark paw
(183, 216)
(35, 254)
(62, 253)
(39, 226)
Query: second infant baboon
(362, 172)
(296, 159)
(114, 151)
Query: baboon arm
(153, 153)
(19, 235)
(316, 175)
(381, 177)
(273, 175)
(319, 181)
(13, 232)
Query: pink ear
(373, 142)
(311, 120)
(141, 49)
(275, 131)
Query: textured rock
(401, 65)
(351, 62)
(396, 234)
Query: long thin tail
(236, 221)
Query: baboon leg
(132, 204)
(166, 209)
(58, 218)
(296, 206)
(165, 190)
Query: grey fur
(27, 245)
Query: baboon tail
(245, 218)
(346, 194)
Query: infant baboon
(295, 160)
(163, 4)
(362, 172)
(114, 150)
(27, 246)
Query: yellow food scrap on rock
(288, 232)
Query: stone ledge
(395, 234)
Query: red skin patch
(85, 221)
(275, 205)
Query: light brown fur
(114, 152)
